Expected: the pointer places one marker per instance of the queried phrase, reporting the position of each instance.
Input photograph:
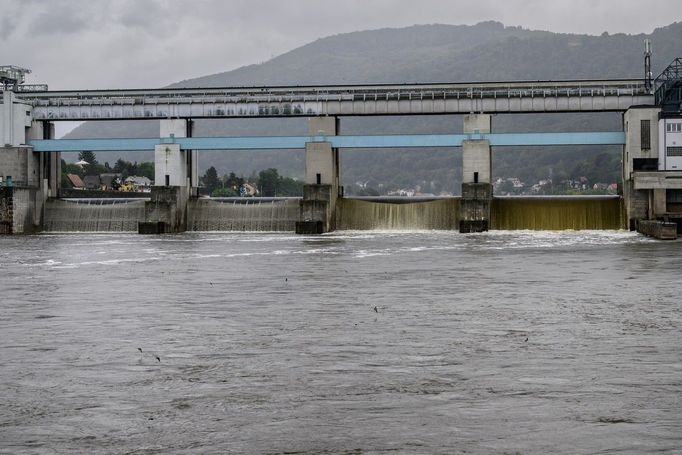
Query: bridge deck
(374, 99)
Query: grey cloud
(146, 43)
(7, 26)
(65, 19)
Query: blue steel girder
(298, 142)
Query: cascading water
(243, 214)
(93, 215)
(356, 214)
(281, 214)
(557, 213)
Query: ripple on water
(529, 342)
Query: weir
(93, 215)
(357, 214)
(557, 213)
(243, 214)
(30, 157)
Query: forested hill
(488, 51)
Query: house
(107, 180)
(76, 181)
(139, 181)
(92, 182)
(248, 189)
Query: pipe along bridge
(371, 99)
(299, 142)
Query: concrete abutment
(477, 188)
(322, 186)
(176, 178)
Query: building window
(645, 134)
(673, 151)
(674, 127)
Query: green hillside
(487, 51)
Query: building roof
(139, 180)
(91, 181)
(75, 181)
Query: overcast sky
(73, 44)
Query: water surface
(504, 342)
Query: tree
(91, 167)
(233, 182)
(267, 182)
(224, 192)
(211, 180)
(146, 169)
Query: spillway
(557, 213)
(281, 214)
(93, 215)
(243, 214)
(358, 214)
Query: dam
(30, 159)
(355, 214)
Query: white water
(95, 215)
(244, 215)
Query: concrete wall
(49, 164)
(22, 164)
(319, 159)
(658, 229)
(667, 139)
(168, 158)
(638, 198)
(477, 123)
(636, 204)
(323, 126)
(15, 117)
(28, 210)
(476, 158)
(318, 206)
(168, 205)
(633, 140)
(652, 180)
(6, 210)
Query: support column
(476, 176)
(640, 158)
(48, 163)
(192, 162)
(166, 212)
(322, 180)
(20, 168)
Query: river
(352, 342)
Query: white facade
(170, 161)
(15, 117)
(670, 142)
(170, 165)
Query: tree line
(125, 168)
(267, 182)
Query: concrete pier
(166, 212)
(322, 181)
(175, 181)
(28, 178)
(652, 180)
(660, 230)
(476, 176)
